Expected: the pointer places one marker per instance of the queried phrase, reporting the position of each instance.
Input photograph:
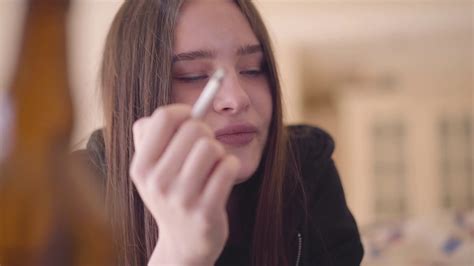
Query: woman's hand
(184, 177)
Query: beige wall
(315, 26)
(90, 21)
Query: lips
(236, 134)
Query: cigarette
(208, 94)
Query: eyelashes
(248, 73)
(190, 79)
(252, 72)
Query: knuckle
(140, 123)
(150, 179)
(134, 171)
(211, 147)
(187, 126)
(203, 223)
(178, 202)
(197, 127)
(137, 125)
(204, 143)
(219, 148)
(230, 166)
(163, 114)
(156, 188)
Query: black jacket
(328, 237)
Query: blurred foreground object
(445, 238)
(50, 213)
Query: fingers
(202, 159)
(138, 131)
(176, 153)
(220, 184)
(151, 143)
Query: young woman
(234, 188)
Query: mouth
(236, 134)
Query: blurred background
(391, 81)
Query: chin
(245, 172)
(249, 157)
(240, 180)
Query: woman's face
(215, 34)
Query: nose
(231, 99)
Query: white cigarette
(207, 95)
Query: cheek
(262, 102)
(180, 94)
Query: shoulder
(331, 228)
(312, 148)
(310, 143)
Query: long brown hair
(135, 80)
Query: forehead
(212, 24)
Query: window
(456, 162)
(389, 169)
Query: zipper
(300, 243)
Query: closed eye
(251, 72)
(189, 79)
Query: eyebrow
(249, 49)
(206, 54)
(198, 54)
